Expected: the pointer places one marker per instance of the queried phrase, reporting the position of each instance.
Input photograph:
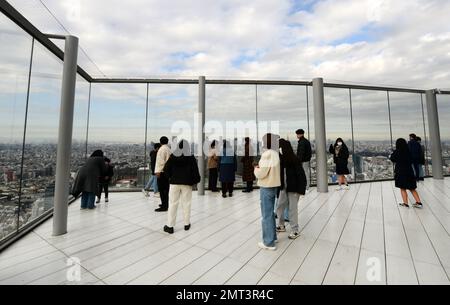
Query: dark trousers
(249, 186)
(227, 187)
(103, 187)
(416, 171)
(88, 200)
(163, 187)
(212, 180)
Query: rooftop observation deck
(122, 242)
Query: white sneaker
(156, 195)
(145, 193)
(264, 247)
(293, 235)
(339, 188)
(346, 187)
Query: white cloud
(398, 42)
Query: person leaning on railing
(86, 181)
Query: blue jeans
(87, 200)
(152, 184)
(268, 196)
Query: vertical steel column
(201, 133)
(435, 135)
(320, 134)
(65, 136)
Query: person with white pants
(182, 171)
(180, 195)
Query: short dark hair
(419, 139)
(107, 160)
(300, 132)
(413, 136)
(164, 140)
(156, 146)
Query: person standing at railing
(422, 160)
(152, 183)
(213, 164)
(247, 174)
(86, 181)
(304, 154)
(416, 154)
(182, 171)
(405, 178)
(267, 171)
(340, 157)
(163, 182)
(293, 186)
(227, 169)
(103, 181)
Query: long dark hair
(340, 140)
(97, 153)
(402, 146)
(288, 156)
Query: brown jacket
(213, 159)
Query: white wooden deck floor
(343, 233)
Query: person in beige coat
(268, 174)
(162, 157)
(213, 165)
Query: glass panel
(227, 107)
(312, 136)
(117, 126)
(41, 135)
(338, 125)
(79, 126)
(371, 132)
(286, 105)
(444, 124)
(171, 113)
(15, 52)
(407, 116)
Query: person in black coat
(341, 154)
(103, 181)
(416, 154)
(227, 169)
(86, 181)
(293, 185)
(304, 154)
(405, 178)
(182, 172)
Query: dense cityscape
(26, 195)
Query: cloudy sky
(397, 43)
(401, 42)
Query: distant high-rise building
(9, 175)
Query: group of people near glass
(282, 177)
